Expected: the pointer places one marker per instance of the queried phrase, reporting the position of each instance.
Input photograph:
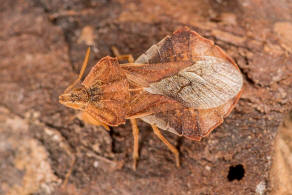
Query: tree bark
(42, 47)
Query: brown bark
(42, 47)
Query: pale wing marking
(208, 83)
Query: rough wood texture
(42, 47)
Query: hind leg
(166, 142)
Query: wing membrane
(208, 83)
(189, 69)
(191, 123)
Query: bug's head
(76, 98)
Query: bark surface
(42, 47)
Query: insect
(184, 84)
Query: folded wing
(189, 69)
(189, 85)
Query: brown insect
(184, 84)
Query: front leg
(127, 57)
(84, 65)
(89, 119)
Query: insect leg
(89, 119)
(136, 142)
(165, 141)
(133, 121)
(128, 57)
(68, 174)
(85, 62)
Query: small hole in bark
(235, 172)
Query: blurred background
(43, 43)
